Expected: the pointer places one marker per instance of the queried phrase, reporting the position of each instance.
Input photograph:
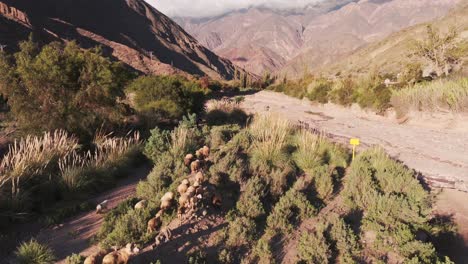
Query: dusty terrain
(436, 146)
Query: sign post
(355, 142)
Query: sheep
(188, 159)
(159, 213)
(186, 182)
(183, 199)
(154, 224)
(166, 200)
(199, 178)
(199, 154)
(217, 200)
(100, 208)
(167, 196)
(206, 151)
(164, 235)
(96, 258)
(141, 205)
(121, 256)
(190, 191)
(195, 166)
(182, 188)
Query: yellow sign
(354, 141)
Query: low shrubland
(270, 190)
(440, 95)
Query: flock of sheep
(195, 195)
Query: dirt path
(73, 235)
(437, 147)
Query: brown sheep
(190, 191)
(188, 159)
(206, 151)
(183, 199)
(195, 166)
(121, 256)
(199, 177)
(186, 182)
(166, 204)
(154, 224)
(199, 154)
(182, 188)
(96, 258)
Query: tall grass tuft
(445, 95)
(32, 156)
(270, 137)
(33, 252)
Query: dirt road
(74, 234)
(435, 146)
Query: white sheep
(141, 204)
(195, 166)
(102, 207)
(206, 151)
(188, 158)
(199, 178)
(121, 256)
(96, 258)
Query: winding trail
(74, 234)
(434, 145)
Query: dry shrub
(441, 95)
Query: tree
(61, 86)
(437, 50)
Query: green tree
(165, 98)
(62, 86)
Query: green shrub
(313, 248)
(373, 93)
(33, 252)
(74, 259)
(342, 92)
(323, 181)
(61, 86)
(129, 228)
(318, 90)
(241, 231)
(291, 209)
(250, 202)
(165, 98)
(197, 257)
(220, 135)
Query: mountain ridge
(131, 31)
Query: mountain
(291, 41)
(131, 31)
(389, 54)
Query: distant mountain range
(294, 41)
(128, 30)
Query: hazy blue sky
(203, 8)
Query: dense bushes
(165, 98)
(368, 91)
(62, 86)
(395, 206)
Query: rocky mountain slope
(292, 41)
(390, 53)
(128, 30)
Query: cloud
(205, 8)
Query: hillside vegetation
(284, 188)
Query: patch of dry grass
(441, 95)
